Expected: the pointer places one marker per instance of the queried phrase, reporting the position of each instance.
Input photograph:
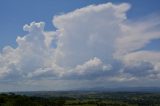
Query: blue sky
(76, 44)
(14, 14)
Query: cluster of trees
(19, 100)
(117, 99)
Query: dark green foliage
(88, 99)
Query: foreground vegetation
(83, 99)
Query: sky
(79, 44)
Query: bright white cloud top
(93, 44)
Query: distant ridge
(95, 89)
(125, 89)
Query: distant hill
(88, 91)
(125, 89)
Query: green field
(82, 99)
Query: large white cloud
(95, 42)
(89, 32)
(30, 55)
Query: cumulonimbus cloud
(86, 44)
